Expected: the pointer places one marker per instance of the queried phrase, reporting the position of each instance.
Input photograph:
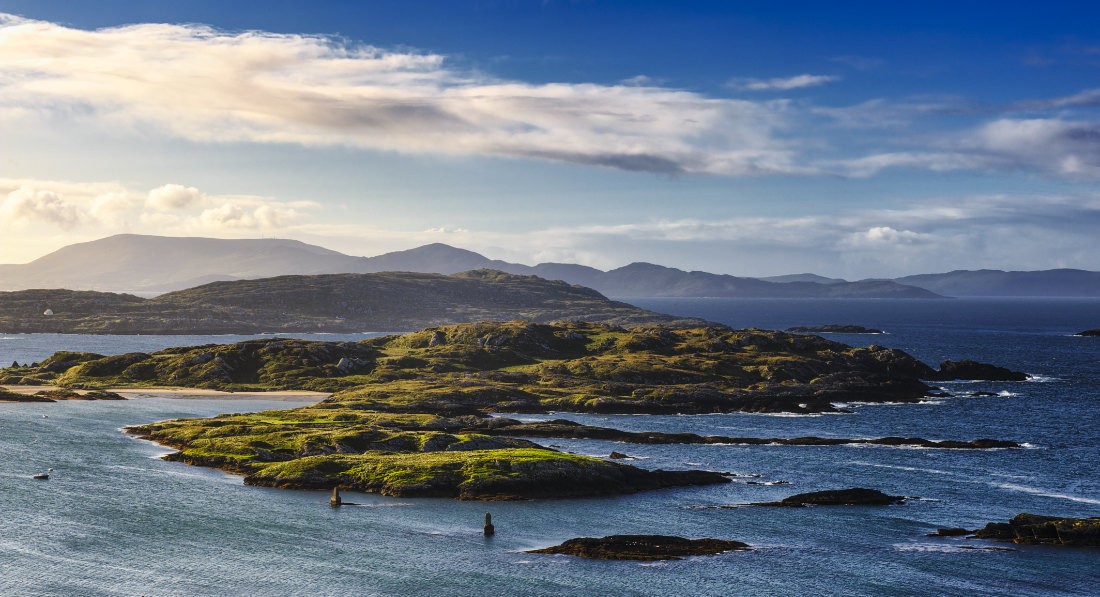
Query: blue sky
(851, 139)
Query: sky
(848, 139)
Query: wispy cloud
(782, 83)
(203, 84)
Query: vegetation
(388, 301)
(409, 412)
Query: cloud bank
(207, 85)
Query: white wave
(904, 468)
(1036, 378)
(1046, 493)
(12, 338)
(1007, 394)
(789, 415)
(946, 548)
(1030, 446)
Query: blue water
(116, 520)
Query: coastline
(182, 393)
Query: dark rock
(833, 329)
(839, 497)
(967, 369)
(1034, 529)
(952, 532)
(1095, 332)
(617, 455)
(489, 529)
(642, 547)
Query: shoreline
(181, 393)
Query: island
(642, 547)
(1036, 529)
(411, 415)
(1094, 333)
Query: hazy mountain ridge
(137, 263)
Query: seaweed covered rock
(973, 370)
(642, 547)
(839, 497)
(1035, 529)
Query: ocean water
(116, 520)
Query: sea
(115, 519)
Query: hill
(149, 264)
(1047, 283)
(133, 262)
(390, 301)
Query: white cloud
(174, 196)
(883, 236)
(100, 209)
(198, 83)
(783, 83)
(1052, 146)
(27, 205)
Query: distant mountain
(150, 264)
(391, 301)
(132, 262)
(642, 279)
(986, 282)
(803, 278)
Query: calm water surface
(116, 520)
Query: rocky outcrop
(1034, 529)
(1095, 332)
(642, 547)
(838, 497)
(833, 329)
(67, 394)
(9, 396)
(564, 428)
(973, 370)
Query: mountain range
(156, 264)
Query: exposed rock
(973, 370)
(489, 530)
(67, 394)
(569, 429)
(1095, 332)
(838, 497)
(833, 329)
(951, 532)
(642, 547)
(9, 396)
(335, 499)
(617, 455)
(1034, 529)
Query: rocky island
(1095, 333)
(410, 414)
(1035, 529)
(642, 547)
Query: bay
(116, 520)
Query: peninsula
(349, 303)
(410, 413)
